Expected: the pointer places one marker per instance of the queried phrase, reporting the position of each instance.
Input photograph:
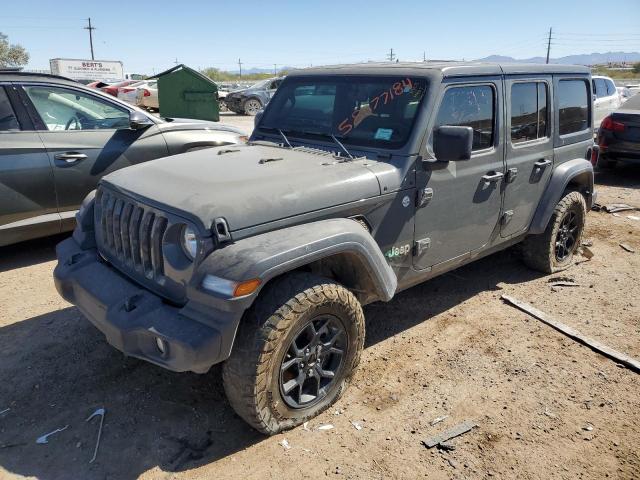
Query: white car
(633, 87)
(129, 94)
(147, 96)
(606, 98)
(624, 93)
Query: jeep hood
(248, 184)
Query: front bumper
(141, 324)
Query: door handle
(70, 157)
(542, 163)
(492, 177)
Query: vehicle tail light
(146, 93)
(609, 124)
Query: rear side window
(528, 111)
(470, 106)
(8, 120)
(611, 88)
(573, 106)
(600, 87)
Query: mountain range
(581, 59)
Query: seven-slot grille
(130, 234)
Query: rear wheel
(295, 352)
(252, 106)
(552, 251)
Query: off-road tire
(539, 251)
(251, 375)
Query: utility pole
(91, 29)
(275, 70)
(176, 62)
(391, 57)
(549, 44)
(424, 56)
(240, 67)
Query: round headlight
(189, 242)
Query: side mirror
(256, 119)
(138, 120)
(451, 144)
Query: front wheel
(294, 353)
(252, 107)
(552, 251)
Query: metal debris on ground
(587, 243)
(326, 426)
(619, 207)
(285, 444)
(435, 421)
(596, 346)
(305, 426)
(456, 431)
(633, 217)
(585, 252)
(627, 248)
(99, 412)
(446, 446)
(45, 438)
(356, 425)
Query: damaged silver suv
(358, 182)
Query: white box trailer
(105, 70)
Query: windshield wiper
(284, 137)
(341, 145)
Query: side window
(600, 87)
(8, 120)
(573, 106)
(528, 111)
(611, 88)
(66, 109)
(470, 106)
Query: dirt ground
(545, 406)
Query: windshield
(261, 83)
(368, 111)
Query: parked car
(129, 93)
(147, 97)
(249, 101)
(606, 98)
(359, 181)
(624, 93)
(113, 89)
(58, 138)
(633, 87)
(619, 135)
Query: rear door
(602, 102)
(27, 192)
(86, 136)
(529, 149)
(459, 208)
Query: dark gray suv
(59, 138)
(357, 183)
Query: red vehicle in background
(113, 89)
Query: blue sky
(149, 36)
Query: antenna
(549, 44)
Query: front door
(27, 191)
(87, 136)
(529, 150)
(458, 206)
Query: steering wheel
(73, 121)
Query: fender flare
(576, 169)
(271, 254)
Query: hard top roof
(15, 76)
(442, 68)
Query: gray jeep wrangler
(358, 182)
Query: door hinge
(512, 173)
(424, 196)
(506, 217)
(420, 246)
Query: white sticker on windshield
(383, 134)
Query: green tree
(12, 55)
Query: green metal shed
(186, 93)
